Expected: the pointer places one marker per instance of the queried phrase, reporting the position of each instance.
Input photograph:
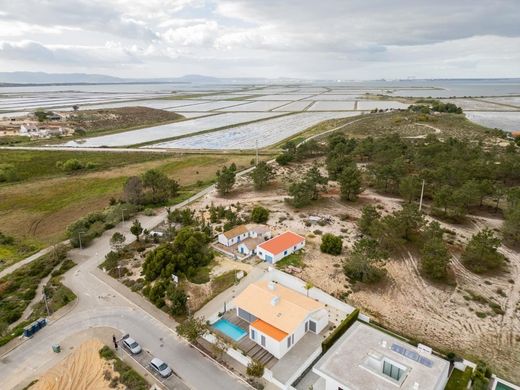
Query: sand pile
(82, 370)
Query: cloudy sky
(327, 39)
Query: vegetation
(136, 229)
(192, 328)
(74, 165)
(350, 182)
(259, 214)
(127, 377)
(427, 106)
(481, 253)
(459, 380)
(362, 264)
(255, 369)
(480, 378)
(294, 153)
(307, 190)
(19, 288)
(339, 331)
(153, 187)
(8, 173)
(226, 179)
(435, 256)
(261, 175)
(331, 244)
(294, 260)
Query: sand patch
(82, 370)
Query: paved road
(102, 302)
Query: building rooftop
(355, 361)
(252, 243)
(278, 306)
(236, 231)
(282, 242)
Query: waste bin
(56, 348)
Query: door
(269, 259)
(312, 326)
(262, 341)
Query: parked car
(132, 345)
(161, 367)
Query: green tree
(435, 256)
(133, 190)
(369, 216)
(302, 193)
(192, 328)
(161, 186)
(261, 175)
(331, 244)
(136, 229)
(409, 188)
(350, 182)
(481, 254)
(362, 263)
(511, 227)
(409, 220)
(226, 179)
(178, 300)
(259, 214)
(255, 369)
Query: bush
(7, 173)
(331, 244)
(260, 214)
(255, 368)
(339, 331)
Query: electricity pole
(46, 304)
(422, 194)
(256, 147)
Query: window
(285, 253)
(312, 326)
(392, 371)
(246, 315)
(262, 340)
(289, 342)
(253, 334)
(306, 326)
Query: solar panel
(412, 355)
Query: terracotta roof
(286, 314)
(282, 242)
(269, 330)
(236, 231)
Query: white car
(132, 345)
(161, 367)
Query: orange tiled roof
(269, 330)
(282, 242)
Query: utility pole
(79, 236)
(256, 147)
(46, 304)
(422, 194)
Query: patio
(248, 346)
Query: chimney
(275, 300)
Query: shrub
(256, 369)
(339, 331)
(331, 244)
(260, 214)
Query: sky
(307, 39)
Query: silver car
(161, 367)
(132, 345)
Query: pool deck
(245, 344)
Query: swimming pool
(229, 329)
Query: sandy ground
(82, 370)
(439, 315)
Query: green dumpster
(56, 348)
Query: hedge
(339, 331)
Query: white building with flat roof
(367, 358)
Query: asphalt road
(99, 304)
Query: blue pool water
(229, 329)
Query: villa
(366, 358)
(277, 248)
(278, 316)
(243, 232)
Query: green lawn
(294, 259)
(459, 379)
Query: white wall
(232, 241)
(262, 252)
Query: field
(266, 133)
(172, 130)
(501, 120)
(257, 106)
(332, 106)
(294, 106)
(441, 315)
(41, 210)
(479, 105)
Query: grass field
(40, 210)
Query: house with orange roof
(278, 316)
(277, 248)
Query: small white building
(29, 129)
(367, 358)
(278, 316)
(277, 248)
(233, 236)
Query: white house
(234, 236)
(29, 129)
(277, 248)
(279, 317)
(367, 358)
(243, 232)
(248, 246)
